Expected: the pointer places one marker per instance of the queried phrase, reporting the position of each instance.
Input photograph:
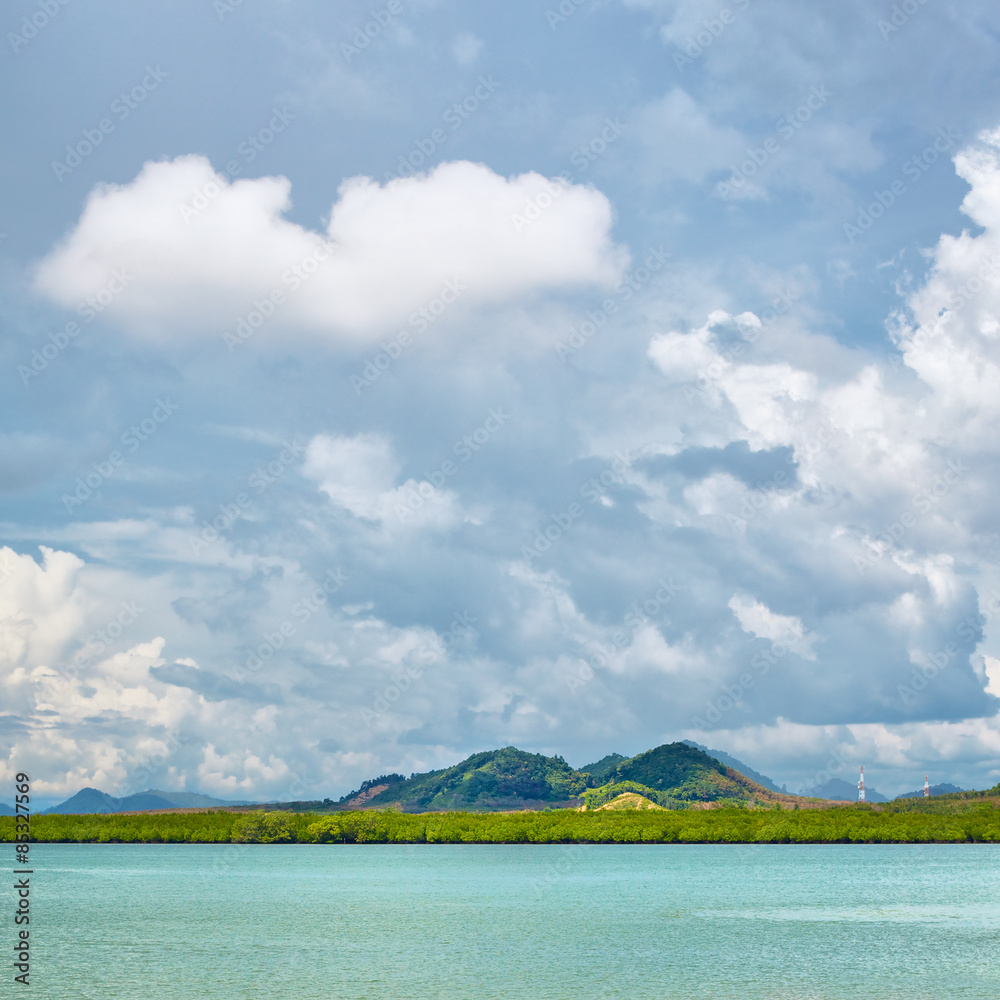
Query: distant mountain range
(843, 791)
(496, 779)
(671, 775)
(942, 789)
(738, 765)
(675, 773)
(90, 800)
(6, 810)
(839, 789)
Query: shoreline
(978, 823)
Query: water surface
(526, 921)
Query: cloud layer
(741, 488)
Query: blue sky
(386, 383)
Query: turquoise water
(535, 922)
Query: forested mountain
(671, 766)
(672, 774)
(678, 774)
(602, 770)
(369, 790)
(492, 780)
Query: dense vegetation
(670, 766)
(969, 820)
(675, 776)
(603, 770)
(496, 779)
(671, 775)
(679, 777)
(594, 798)
(369, 789)
(957, 803)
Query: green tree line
(979, 823)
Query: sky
(382, 384)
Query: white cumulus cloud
(182, 250)
(759, 620)
(358, 474)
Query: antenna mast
(927, 788)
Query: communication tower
(927, 788)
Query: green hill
(677, 775)
(602, 770)
(673, 775)
(671, 766)
(493, 780)
(686, 774)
